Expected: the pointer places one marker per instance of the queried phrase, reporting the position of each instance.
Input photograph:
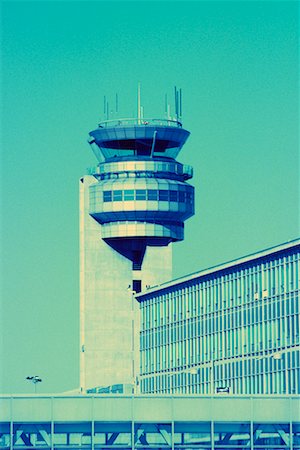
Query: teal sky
(237, 64)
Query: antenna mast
(180, 104)
(139, 103)
(117, 103)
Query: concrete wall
(106, 306)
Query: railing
(136, 121)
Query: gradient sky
(237, 65)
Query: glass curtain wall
(236, 329)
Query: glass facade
(233, 328)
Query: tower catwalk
(131, 209)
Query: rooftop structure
(232, 328)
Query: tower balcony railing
(140, 122)
(187, 171)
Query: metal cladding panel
(295, 407)
(159, 215)
(272, 409)
(140, 230)
(241, 411)
(5, 409)
(138, 183)
(145, 409)
(72, 409)
(118, 410)
(35, 408)
(192, 408)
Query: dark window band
(161, 195)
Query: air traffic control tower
(132, 208)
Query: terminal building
(232, 328)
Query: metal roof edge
(219, 267)
(145, 396)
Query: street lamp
(34, 379)
(276, 355)
(211, 378)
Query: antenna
(180, 103)
(139, 103)
(107, 111)
(117, 103)
(169, 111)
(104, 105)
(175, 101)
(166, 104)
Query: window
(152, 194)
(189, 197)
(140, 194)
(107, 196)
(128, 194)
(173, 196)
(163, 195)
(117, 196)
(181, 196)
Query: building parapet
(150, 408)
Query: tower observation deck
(141, 197)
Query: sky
(237, 65)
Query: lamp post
(34, 379)
(211, 376)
